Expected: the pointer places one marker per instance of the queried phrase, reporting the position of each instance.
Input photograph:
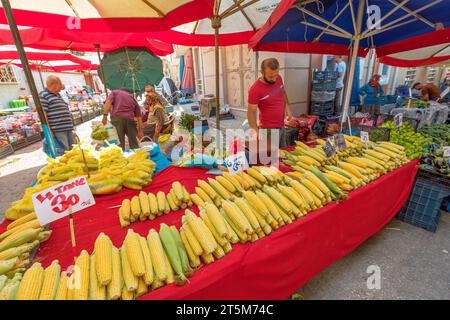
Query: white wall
(11, 91)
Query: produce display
(414, 142)
(109, 171)
(149, 206)
(99, 133)
(434, 160)
(440, 133)
(16, 244)
(417, 103)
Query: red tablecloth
(272, 267)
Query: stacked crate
(323, 93)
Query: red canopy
(44, 60)
(108, 15)
(55, 39)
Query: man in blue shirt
(340, 68)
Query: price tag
(364, 136)
(329, 149)
(446, 151)
(398, 119)
(53, 203)
(236, 163)
(339, 142)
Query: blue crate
(324, 75)
(422, 208)
(322, 108)
(324, 86)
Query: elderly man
(57, 112)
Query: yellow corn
(186, 195)
(203, 195)
(61, 292)
(126, 295)
(126, 209)
(7, 235)
(81, 272)
(201, 233)
(134, 253)
(114, 288)
(220, 240)
(197, 200)
(216, 219)
(148, 276)
(248, 213)
(227, 247)
(96, 290)
(237, 217)
(208, 258)
(255, 174)
(145, 205)
(232, 236)
(153, 204)
(130, 280)
(142, 288)
(170, 275)
(193, 259)
(171, 202)
(22, 220)
(208, 190)
(218, 253)
(256, 203)
(51, 281)
(161, 198)
(226, 184)
(122, 221)
(31, 283)
(271, 206)
(178, 191)
(157, 255)
(103, 266)
(195, 245)
(135, 207)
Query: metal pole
(351, 73)
(23, 59)
(100, 69)
(256, 65)
(216, 52)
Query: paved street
(414, 263)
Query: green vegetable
(99, 133)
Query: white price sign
(236, 163)
(53, 203)
(364, 136)
(398, 119)
(446, 151)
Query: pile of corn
(16, 244)
(149, 206)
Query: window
(7, 74)
(385, 72)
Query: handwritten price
(61, 203)
(234, 165)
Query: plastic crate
(324, 75)
(324, 86)
(322, 96)
(33, 138)
(322, 109)
(376, 134)
(422, 208)
(19, 144)
(386, 108)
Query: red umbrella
(108, 15)
(56, 39)
(188, 76)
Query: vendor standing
(428, 91)
(57, 112)
(340, 69)
(125, 116)
(268, 96)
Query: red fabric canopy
(107, 16)
(59, 39)
(270, 268)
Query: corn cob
(226, 184)
(249, 180)
(218, 253)
(197, 200)
(130, 280)
(278, 198)
(317, 182)
(134, 253)
(51, 281)
(144, 204)
(31, 283)
(254, 201)
(216, 219)
(33, 224)
(223, 193)
(203, 195)
(237, 217)
(208, 258)
(161, 198)
(96, 290)
(242, 180)
(171, 202)
(219, 239)
(201, 232)
(170, 247)
(17, 251)
(154, 210)
(248, 213)
(142, 288)
(135, 207)
(126, 209)
(114, 288)
(273, 209)
(178, 191)
(103, 264)
(232, 236)
(193, 258)
(255, 174)
(157, 255)
(19, 238)
(44, 235)
(10, 289)
(122, 221)
(308, 160)
(79, 280)
(186, 195)
(148, 276)
(126, 295)
(61, 291)
(22, 220)
(243, 237)
(237, 184)
(208, 190)
(293, 196)
(181, 251)
(170, 275)
(195, 244)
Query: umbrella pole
(351, 73)
(29, 76)
(215, 22)
(102, 73)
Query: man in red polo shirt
(267, 95)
